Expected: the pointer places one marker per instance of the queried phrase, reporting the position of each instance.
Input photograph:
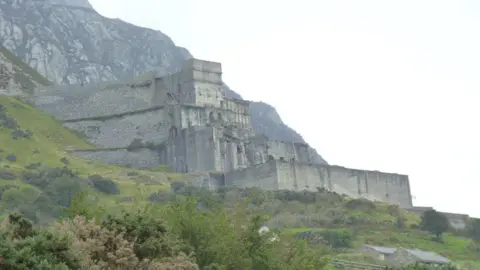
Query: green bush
(162, 196)
(43, 177)
(6, 187)
(104, 185)
(338, 238)
(24, 247)
(151, 237)
(7, 174)
(361, 204)
(59, 185)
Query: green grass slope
(44, 139)
(33, 143)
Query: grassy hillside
(31, 141)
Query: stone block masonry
(276, 174)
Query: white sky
(384, 85)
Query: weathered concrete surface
(276, 174)
(150, 126)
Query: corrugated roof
(426, 256)
(384, 250)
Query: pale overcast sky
(383, 85)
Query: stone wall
(355, 183)
(190, 150)
(237, 112)
(205, 79)
(297, 176)
(193, 115)
(263, 176)
(121, 130)
(278, 150)
(92, 102)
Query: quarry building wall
(276, 174)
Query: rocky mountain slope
(15, 76)
(68, 42)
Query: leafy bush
(59, 185)
(7, 175)
(162, 196)
(18, 133)
(148, 232)
(33, 166)
(104, 185)
(177, 185)
(45, 176)
(435, 222)
(6, 187)
(7, 121)
(11, 157)
(24, 247)
(338, 238)
(132, 173)
(64, 160)
(361, 205)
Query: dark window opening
(212, 117)
(173, 132)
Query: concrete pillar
(232, 148)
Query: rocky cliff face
(68, 42)
(17, 78)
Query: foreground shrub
(23, 247)
(99, 248)
(148, 232)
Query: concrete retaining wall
(296, 176)
(262, 176)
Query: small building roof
(383, 250)
(422, 256)
(426, 256)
